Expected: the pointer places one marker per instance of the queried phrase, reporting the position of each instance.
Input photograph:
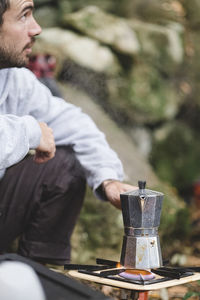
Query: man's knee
(64, 170)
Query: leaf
(190, 294)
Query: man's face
(17, 34)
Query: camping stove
(141, 267)
(141, 210)
(107, 272)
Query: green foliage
(145, 97)
(174, 221)
(46, 16)
(182, 227)
(191, 294)
(149, 94)
(99, 231)
(192, 9)
(175, 157)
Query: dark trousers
(41, 203)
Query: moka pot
(141, 210)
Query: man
(40, 198)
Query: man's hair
(4, 5)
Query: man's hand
(46, 149)
(114, 188)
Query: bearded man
(41, 197)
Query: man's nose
(35, 28)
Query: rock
(190, 82)
(46, 16)
(192, 10)
(178, 259)
(142, 138)
(67, 6)
(41, 2)
(152, 98)
(175, 155)
(106, 28)
(144, 97)
(164, 294)
(153, 11)
(64, 7)
(160, 45)
(66, 45)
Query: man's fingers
(42, 157)
(46, 149)
(113, 189)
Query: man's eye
(24, 16)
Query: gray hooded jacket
(24, 102)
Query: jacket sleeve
(73, 127)
(18, 135)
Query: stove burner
(137, 275)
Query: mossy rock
(176, 155)
(78, 4)
(144, 97)
(46, 16)
(161, 46)
(106, 28)
(39, 3)
(192, 11)
(152, 98)
(149, 11)
(190, 71)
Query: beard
(10, 57)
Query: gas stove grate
(138, 282)
(108, 269)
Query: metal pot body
(141, 210)
(141, 252)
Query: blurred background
(134, 67)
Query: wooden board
(132, 286)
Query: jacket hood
(4, 84)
